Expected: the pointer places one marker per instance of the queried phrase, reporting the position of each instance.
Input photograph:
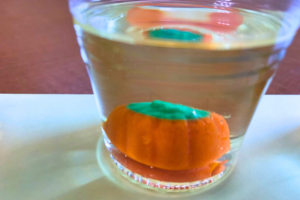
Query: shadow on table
(257, 173)
(65, 167)
(286, 145)
(50, 167)
(273, 167)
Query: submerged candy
(166, 110)
(168, 136)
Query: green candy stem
(166, 110)
(173, 34)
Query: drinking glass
(177, 82)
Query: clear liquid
(226, 71)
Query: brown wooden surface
(39, 53)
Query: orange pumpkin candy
(168, 144)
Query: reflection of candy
(227, 20)
(173, 34)
(212, 19)
(168, 137)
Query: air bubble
(226, 115)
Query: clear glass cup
(177, 82)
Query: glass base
(126, 180)
(173, 186)
(159, 179)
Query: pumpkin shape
(168, 136)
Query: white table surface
(48, 143)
